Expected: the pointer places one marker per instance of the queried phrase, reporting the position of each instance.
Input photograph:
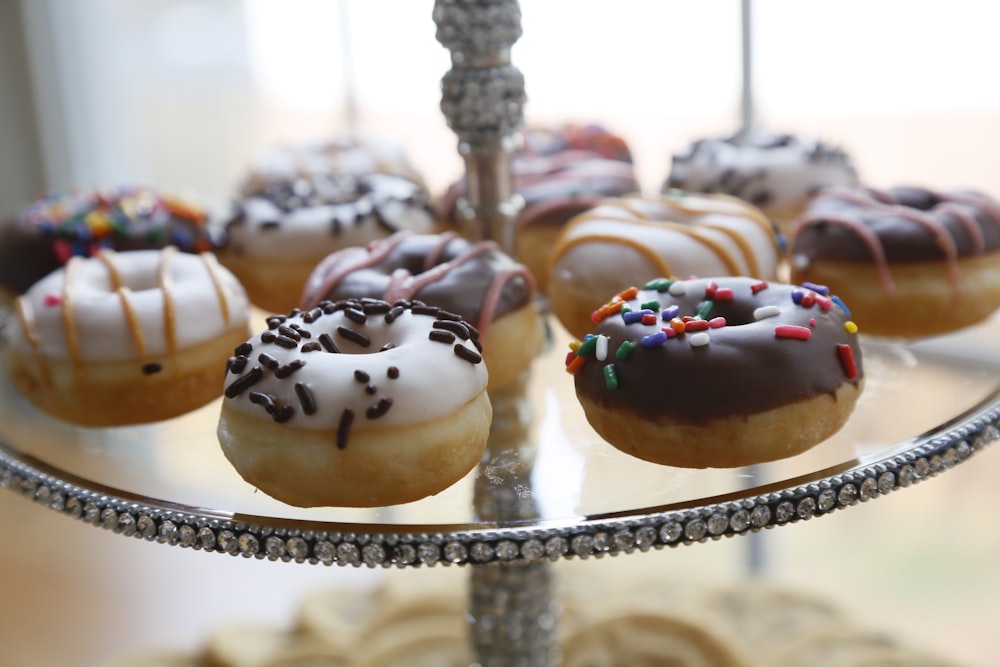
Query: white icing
(307, 232)
(98, 320)
(433, 381)
(747, 165)
(343, 157)
(597, 249)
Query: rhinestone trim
(346, 545)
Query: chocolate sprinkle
(392, 372)
(274, 321)
(456, 327)
(467, 354)
(356, 315)
(344, 427)
(393, 313)
(244, 349)
(306, 398)
(387, 347)
(371, 390)
(236, 364)
(447, 315)
(283, 414)
(354, 336)
(327, 341)
(286, 342)
(305, 333)
(439, 336)
(289, 368)
(361, 376)
(244, 382)
(268, 361)
(290, 333)
(425, 310)
(375, 307)
(152, 368)
(261, 398)
(379, 409)
(311, 346)
(268, 337)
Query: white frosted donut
(627, 241)
(301, 203)
(126, 337)
(779, 173)
(356, 403)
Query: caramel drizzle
(169, 312)
(26, 318)
(132, 320)
(659, 261)
(212, 267)
(106, 258)
(69, 316)
(692, 231)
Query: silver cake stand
(549, 488)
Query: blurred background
(185, 93)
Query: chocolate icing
(50, 230)
(908, 224)
(744, 369)
(476, 281)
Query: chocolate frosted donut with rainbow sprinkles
(718, 372)
(50, 230)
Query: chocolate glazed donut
(718, 372)
(476, 281)
(911, 261)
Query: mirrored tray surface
(558, 491)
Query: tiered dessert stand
(548, 488)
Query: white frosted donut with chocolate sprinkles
(126, 337)
(356, 403)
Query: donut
(476, 281)
(718, 372)
(50, 230)
(356, 403)
(126, 337)
(626, 240)
(778, 173)
(559, 173)
(300, 206)
(911, 261)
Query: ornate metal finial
(482, 98)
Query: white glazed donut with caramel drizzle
(356, 403)
(632, 239)
(127, 337)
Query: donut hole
(738, 312)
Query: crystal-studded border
(391, 546)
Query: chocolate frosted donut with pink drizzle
(476, 281)
(911, 261)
